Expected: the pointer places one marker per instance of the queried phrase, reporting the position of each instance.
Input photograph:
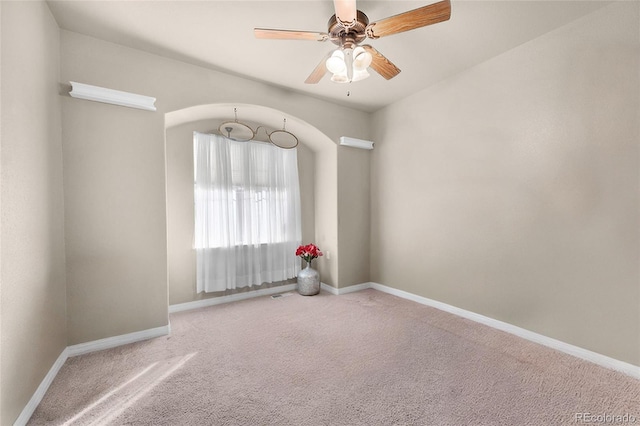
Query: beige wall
(115, 177)
(307, 175)
(326, 220)
(32, 256)
(512, 189)
(180, 215)
(354, 224)
(114, 220)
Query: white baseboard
(594, 357)
(230, 298)
(33, 403)
(196, 304)
(80, 349)
(345, 290)
(330, 289)
(112, 342)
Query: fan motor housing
(350, 35)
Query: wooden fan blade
(319, 71)
(381, 64)
(289, 34)
(423, 16)
(345, 11)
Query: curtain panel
(247, 213)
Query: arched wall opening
(115, 173)
(317, 164)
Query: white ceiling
(219, 35)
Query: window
(247, 207)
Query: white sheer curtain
(247, 213)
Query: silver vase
(308, 281)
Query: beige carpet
(364, 358)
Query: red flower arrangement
(308, 252)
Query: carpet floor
(365, 358)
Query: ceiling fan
(349, 27)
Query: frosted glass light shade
(361, 59)
(360, 74)
(340, 78)
(335, 64)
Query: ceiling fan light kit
(349, 65)
(349, 27)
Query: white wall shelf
(110, 96)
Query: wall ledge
(110, 96)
